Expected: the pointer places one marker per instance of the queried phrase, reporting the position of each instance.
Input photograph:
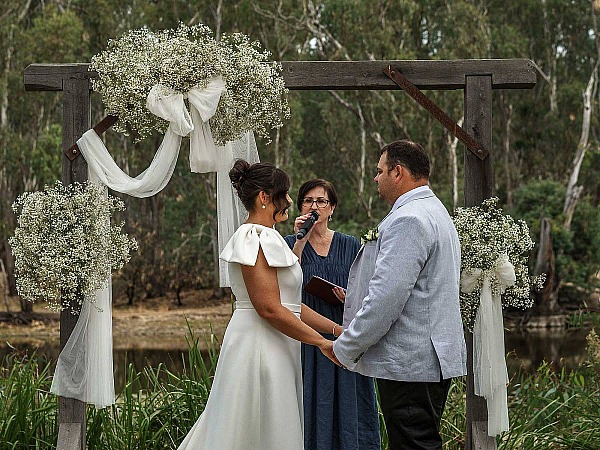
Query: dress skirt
(256, 397)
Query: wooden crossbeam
(340, 75)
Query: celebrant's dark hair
(317, 182)
(408, 154)
(249, 179)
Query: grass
(548, 409)
(583, 318)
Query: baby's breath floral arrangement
(485, 234)
(64, 245)
(184, 58)
(371, 234)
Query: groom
(402, 322)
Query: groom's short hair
(408, 154)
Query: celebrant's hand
(340, 293)
(298, 223)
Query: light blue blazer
(402, 315)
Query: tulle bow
(164, 102)
(489, 364)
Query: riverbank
(157, 323)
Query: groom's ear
(399, 171)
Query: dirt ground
(157, 323)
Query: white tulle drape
(85, 366)
(84, 369)
(489, 363)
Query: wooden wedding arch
(477, 78)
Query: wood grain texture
(69, 437)
(424, 74)
(76, 121)
(361, 75)
(478, 187)
(481, 440)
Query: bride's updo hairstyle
(249, 179)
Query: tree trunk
(546, 299)
(506, 118)
(550, 60)
(4, 82)
(276, 147)
(4, 285)
(10, 268)
(452, 144)
(218, 291)
(573, 191)
(363, 153)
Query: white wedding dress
(256, 398)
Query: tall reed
(156, 408)
(28, 412)
(547, 409)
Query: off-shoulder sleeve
(243, 247)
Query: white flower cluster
(188, 57)
(64, 245)
(371, 234)
(485, 233)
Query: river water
(526, 351)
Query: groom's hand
(327, 350)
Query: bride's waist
(247, 304)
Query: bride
(256, 397)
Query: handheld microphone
(307, 225)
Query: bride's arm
(263, 290)
(317, 322)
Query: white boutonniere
(370, 235)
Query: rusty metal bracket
(100, 128)
(475, 147)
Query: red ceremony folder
(321, 288)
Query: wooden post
(76, 121)
(478, 187)
(74, 81)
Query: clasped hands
(327, 350)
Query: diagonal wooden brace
(100, 128)
(475, 147)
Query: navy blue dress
(340, 407)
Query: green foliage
(336, 137)
(28, 412)
(547, 409)
(56, 36)
(156, 408)
(578, 249)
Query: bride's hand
(327, 350)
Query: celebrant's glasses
(321, 202)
